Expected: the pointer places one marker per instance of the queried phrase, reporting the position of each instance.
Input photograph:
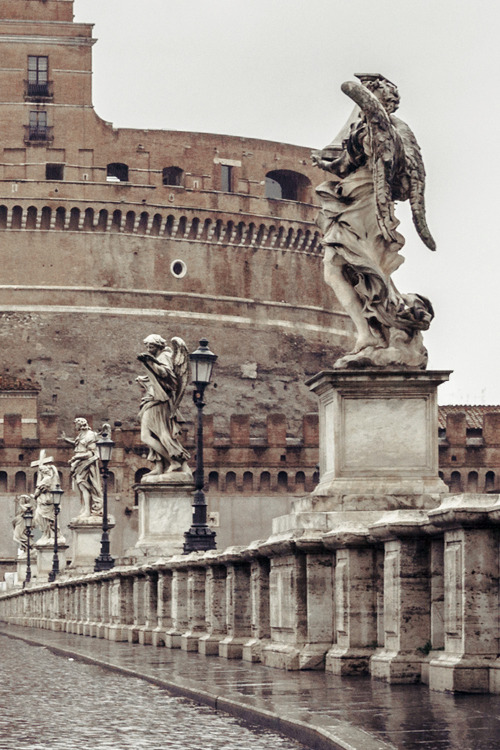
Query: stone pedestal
(378, 439)
(22, 562)
(165, 513)
(87, 533)
(45, 558)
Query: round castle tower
(108, 235)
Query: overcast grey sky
(273, 69)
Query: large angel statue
(164, 387)
(375, 162)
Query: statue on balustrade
(44, 518)
(84, 466)
(164, 387)
(22, 504)
(374, 162)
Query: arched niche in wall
(285, 184)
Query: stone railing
(412, 598)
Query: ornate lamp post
(200, 537)
(105, 447)
(57, 494)
(28, 522)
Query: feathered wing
(386, 149)
(398, 169)
(415, 174)
(180, 364)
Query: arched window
(248, 481)
(3, 217)
(17, 217)
(117, 172)
(282, 481)
(456, 482)
(74, 219)
(60, 218)
(111, 482)
(173, 176)
(31, 217)
(46, 217)
(230, 481)
(472, 481)
(3, 481)
(213, 481)
(300, 481)
(285, 184)
(116, 221)
(265, 482)
(20, 482)
(88, 222)
(139, 474)
(489, 483)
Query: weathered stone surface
(165, 512)
(378, 438)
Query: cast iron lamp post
(105, 447)
(57, 494)
(200, 537)
(28, 521)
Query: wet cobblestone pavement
(57, 702)
(361, 713)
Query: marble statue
(84, 466)
(164, 387)
(375, 162)
(22, 504)
(44, 518)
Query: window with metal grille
(38, 129)
(38, 75)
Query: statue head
(154, 342)
(385, 91)
(81, 423)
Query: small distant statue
(375, 162)
(84, 466)
(164, 387)
(22, 504)
(44, 518)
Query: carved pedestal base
(87, 533)
(165, 513)
(45, 558)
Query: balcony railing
(38, 134)
(38, 91)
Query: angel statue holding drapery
(164, 387)
(375, 161)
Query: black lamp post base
(104, 562)
(199, 539)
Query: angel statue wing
(180, 366)
(398, 170)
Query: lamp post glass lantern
(57, 494)
(105, 449)
(200, 537)
(28, 522)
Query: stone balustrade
(413, 597)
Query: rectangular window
(54, 171)
(226, 178)
(38, 75)
(38, 130)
